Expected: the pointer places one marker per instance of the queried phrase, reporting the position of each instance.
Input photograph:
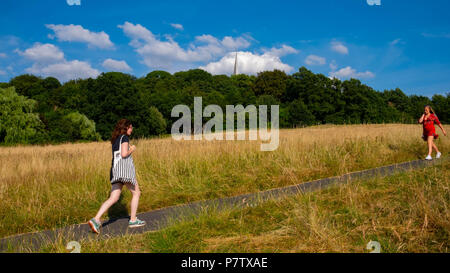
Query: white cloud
(315, 60)
(349, 72)
(65, 71)
(282, 51)
(76, 33)
(115, 65)
(396, 41)
(248, 63)
(157, 53)
(177, 26)
(339, 47)
(74, 2)
(333, 65)
(42, 53)
(49, 61)
(137, 32)
(2, 72)
(235, 43)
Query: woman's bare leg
(435, 148)
(136, 193)
(113, 198)
(430, 144)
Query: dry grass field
(44, 187)
(407, 212)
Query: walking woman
(428, 120)
(122, 173)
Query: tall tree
(271, 83)
(18, 122)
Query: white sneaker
(438, 155)
(428, 157)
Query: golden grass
(407, 212)
(44, 187)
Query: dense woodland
(35, 110)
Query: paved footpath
(158, 219)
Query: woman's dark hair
(120, 129)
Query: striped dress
(122, 168)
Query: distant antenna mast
(235, 65)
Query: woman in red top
(428, 120)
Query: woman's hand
(132, 148)
(127, 149)
(422, 118)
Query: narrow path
(158, 219)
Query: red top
(428, 125)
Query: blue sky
(401, 43)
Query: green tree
(83, 128)
(156, 122)
(18, 122)
(27, 85)
(64, 125)
(271, 83)
(441, 105)
(299, 114)
(417, 105)
(355, 101)
(113, 96)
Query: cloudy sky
(401, 43)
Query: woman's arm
(442, 128)
(421, 118)
(125, 151)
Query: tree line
(42, 110)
